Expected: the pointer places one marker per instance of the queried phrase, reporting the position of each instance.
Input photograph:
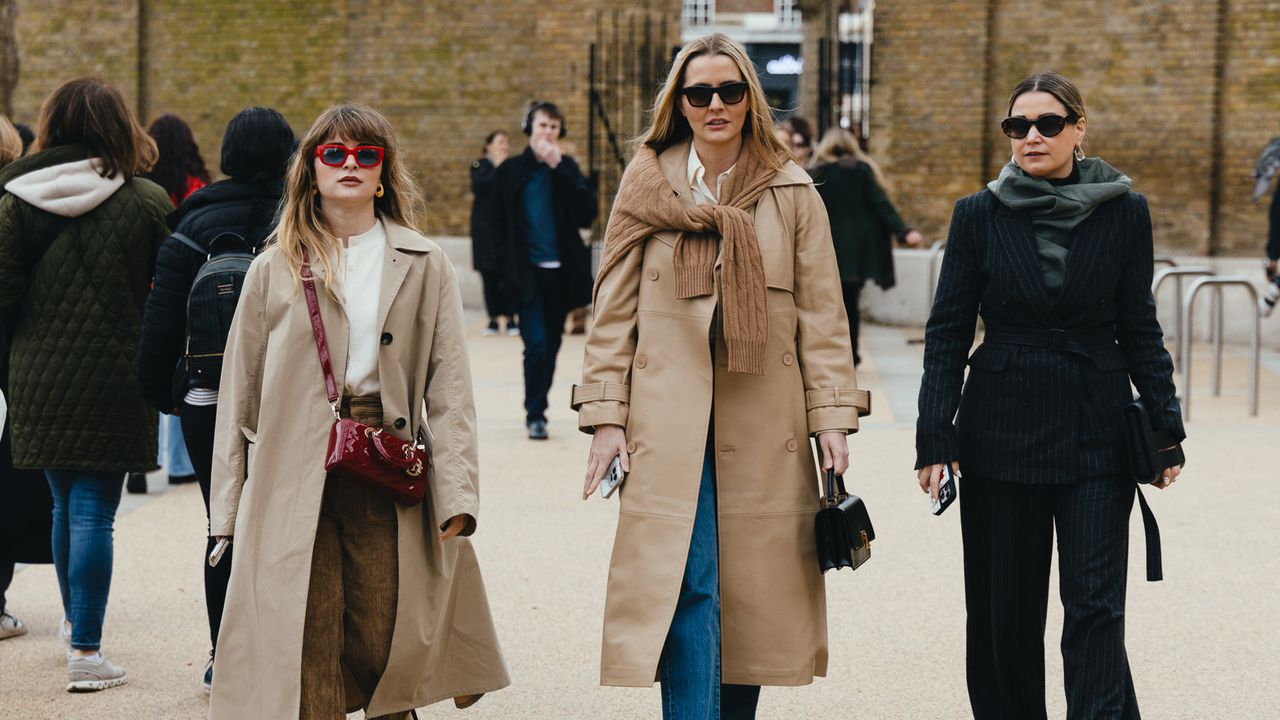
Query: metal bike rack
(1255, 338)
(1177, 273)
(1166, 260)
(935, 252)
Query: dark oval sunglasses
(335, 155)
(700, 95)
(1047, 125)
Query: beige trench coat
(649, 368)
(268, 478)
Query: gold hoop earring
(380, 192)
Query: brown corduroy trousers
(351, 603)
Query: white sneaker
(64, 632)
(90, 674)
(11, 626)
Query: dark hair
(488, 139)
(1056, 85)
(257, 145)
(550, 109)
(27, 136)
(179, 156)
(92, 112)
(800, 126)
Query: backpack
(211, 305)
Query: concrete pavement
(1202, 643)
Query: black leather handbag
(1150, 452)
(842, 528)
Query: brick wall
(1149, 73)
(927, 107)
(444, 73)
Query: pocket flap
(990, 359)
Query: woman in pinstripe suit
(1056, 257)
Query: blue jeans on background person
(84, 512)
(541, 329)
(690, 665)
(173, 449)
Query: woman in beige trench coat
(719, 347)
(333, 581)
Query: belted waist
(1076, 340)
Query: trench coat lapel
(1017, 240)
(395, 266)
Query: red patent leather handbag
(358, 452)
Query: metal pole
(1255, 350)
(1255, 337)
(1177, 273)
(1166, 260)
(1217, 341)
(1184, 345)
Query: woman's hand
(456, 524)
(1168, 477)
(609, 441)
(930, 477)
(914, 238)
(835, 450)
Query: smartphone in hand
(613, 479)
(947, 491)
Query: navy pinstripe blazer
(1044, 394)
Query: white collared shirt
(361, 271)
(698, 183)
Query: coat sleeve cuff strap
(839, 397)
(596, 392)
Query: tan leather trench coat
(268, 479)
(649, 368)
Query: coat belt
(1078, 340)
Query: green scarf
(1056, 209)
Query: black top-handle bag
(842, 528)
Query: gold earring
(380, 192)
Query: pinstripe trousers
(1008, 533)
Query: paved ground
(1203, 644)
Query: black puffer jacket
(247, 209)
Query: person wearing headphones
(542, 199)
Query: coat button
(791, 446)
(386, 338)
(652, 274)
(641, 361)
(787, 359)
(400, 423)
(631, 446)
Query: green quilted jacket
(75, 317)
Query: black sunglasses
(700, 95)
(1047, 125)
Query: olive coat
(268, 479)
(649, 368)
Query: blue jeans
(84, 511)
(175, 459)
(541, 328)
(690, 664)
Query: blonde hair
(669, 126)
(837, 144)
(10, 142)
(302, 225)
